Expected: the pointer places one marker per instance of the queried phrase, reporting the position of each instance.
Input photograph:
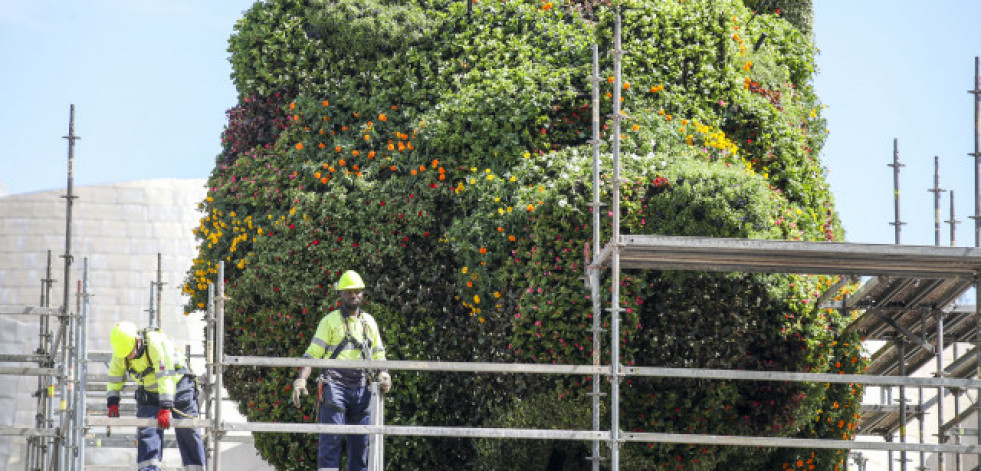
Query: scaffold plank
(781, 256)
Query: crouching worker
(343, 394)
(166, 388)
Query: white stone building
(120, 229)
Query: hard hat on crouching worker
(350, 280)
(123, 339)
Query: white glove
(384, 382)
(299, 387)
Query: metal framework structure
(911, 290)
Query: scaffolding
(911, 290)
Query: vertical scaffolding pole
(209, 385)
(219, 360)
(64, 334)
(83, 366)
(941, 438)
(898, 223)
(901, 345)
(953, 222)
(958, 459)
(976, 155)
(592, 266)
(977, 168)
(159, 286)
(936, 190)
(615, 276)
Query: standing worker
(343, 395)
(165, 384)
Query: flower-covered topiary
(441, 150)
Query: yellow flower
(464, 270)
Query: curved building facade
(121, 231)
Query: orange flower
(331, 169)
(367, 137)
(531, 207)
(355, 167)
(442, 177)
(322, 145)
(325, 103)
(422, 168)
(611, 79)
(299, 146)
(500, 229)
(413, 172)
(391, 146)
(292, 106)
(395, 107)
(483, 250)
(435, 163)
(343, 128)
(337, 149)
(342, 162)
(382, 117)
(392, 168)
(324, 180)
(316, 175)
(355, 152)
(511, 238)
(626, 85)
(371, 154)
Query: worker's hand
(163, 418)
(384, 382)
(114, 411)
(299, 387)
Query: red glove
(163, 418)
(114, 411)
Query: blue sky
(150, 83)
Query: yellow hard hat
(350, 280)
(123, 339)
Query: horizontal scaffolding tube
(29, 311)
(27, 432)
(694, 373)
(697, 373)
(136, 422)
(461, 432)
(419, 365)
(782, 442)
(28, 371)
(585, 435)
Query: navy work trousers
(149, 447)
(343, 405)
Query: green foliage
(443, 155)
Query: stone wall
(120, 229)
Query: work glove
(384, 382)
(299, 387)
(114, 411)
(163, 418)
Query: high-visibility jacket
(158, 367)
(351, 338)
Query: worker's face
(136, 347)
(351, 298)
